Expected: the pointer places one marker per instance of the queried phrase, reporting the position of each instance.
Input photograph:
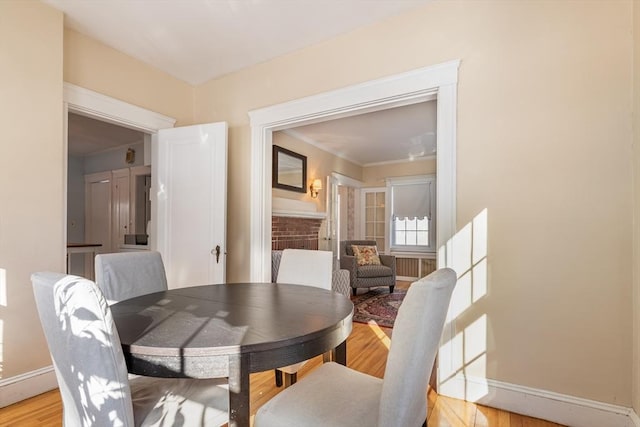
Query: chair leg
(355, 291)
(326, 357)
(391, 289)
(424, 424)
(278, 373)
(290, 379)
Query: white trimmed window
(412, 214)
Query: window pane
(380, 214)
(400, 238)
(411, 238)
(380, 199)
(411, 223)
(370, 199)
(423, 224)
(380, 244)
(423, 238)
(380, 229)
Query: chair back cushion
(306, 267)
(416, 335)
(85, 350)
(127, 275)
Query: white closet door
(189, 192)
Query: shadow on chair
(91, 372)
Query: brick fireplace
(294, 233)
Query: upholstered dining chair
(334, 395)
(91, 371)
(127, 275)
(339, 281)
(303, 267)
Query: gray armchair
(367, 276)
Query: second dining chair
(303, 267)
(337, 396)
(92, 374)
(127, 275)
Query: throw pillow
(366, 255)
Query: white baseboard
(24, 386)
(550, 406)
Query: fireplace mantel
(290, 208)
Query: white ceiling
(197, 40)
(88, 136)
(397, 134)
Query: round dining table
(231, 330)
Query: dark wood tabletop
(231, 330)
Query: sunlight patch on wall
(463, 352)
(475, 346)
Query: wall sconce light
(131, 156)
(315, 186)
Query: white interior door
(97, 214)
(120, 205)
(189, 192)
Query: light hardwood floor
(367, 352)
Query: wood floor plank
(491, 417)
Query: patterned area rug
(378, 306)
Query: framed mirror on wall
(289, 170)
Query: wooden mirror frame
(276, 183)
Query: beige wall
(31, 179)
(374, 176)
(93, 65)
(636, 207)
(320, 164)
(544, 136)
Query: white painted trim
(347, 181)
(395, 162)
(402, 89)
(299, 214)
(547, 405)
(96, 105)
(29, 384)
